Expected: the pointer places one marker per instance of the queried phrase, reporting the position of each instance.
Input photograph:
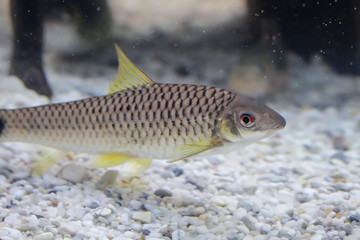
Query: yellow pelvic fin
(46, 160)
(139, 166)
(110, 160)
(188, 150)
(136, 165)
(128, 75)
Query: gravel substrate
(302, 183)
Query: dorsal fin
(128, 75)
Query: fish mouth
(280, 123)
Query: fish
(140, 120)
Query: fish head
(246, 121)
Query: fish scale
(141, 119)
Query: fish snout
(273, 120)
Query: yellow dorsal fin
(128, 75)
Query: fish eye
(247, 120)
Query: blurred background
(306, 51)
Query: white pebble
(5, 154)
(202, 229)
(264, 229)
(73, 173)
(67, 228)
(249, 221)
(316, 237)
(88, 217)
(178, 235)
(13, 220)
(108, 178)
(144, 217)
(218, 201)
(29, 223)
(103, 212)
(229, 225)
(44, 236)
(240, 213)
(53, 181)
(48, 228)
(52, 212)
(135, 205)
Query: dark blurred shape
(182, 70)
(91, 19)
(26, 60)
(330, 29)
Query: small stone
(178, 171)
(301, 197)
(178, 235)
(10, 234)
(136, 226)
(218, 201)
(240, 213)
(348, 228)
(193, 212)
(52, 212)
(88, 217)
(229, 225)
(166, 174)
(44, 236)
(53, 181)
(163, 193)
(277, 179)
(94, 205)
(285, 233)
(249, 222)
(6, 173)
(13, 220)
(245, 205)
(108, 178)
(266, 213)
(5, 154)
(103, 212)
(73, 173)
(51, 229)
(189, 200)
(232, 235)
(144, 217)
(316, 237)
(341, 156)
(215, 160)
(202, 229)
(67, 228)
(264, 229)
(135, 205)
(354, 218)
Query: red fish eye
(247, 120)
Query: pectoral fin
(110, 160)
(189, 150)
